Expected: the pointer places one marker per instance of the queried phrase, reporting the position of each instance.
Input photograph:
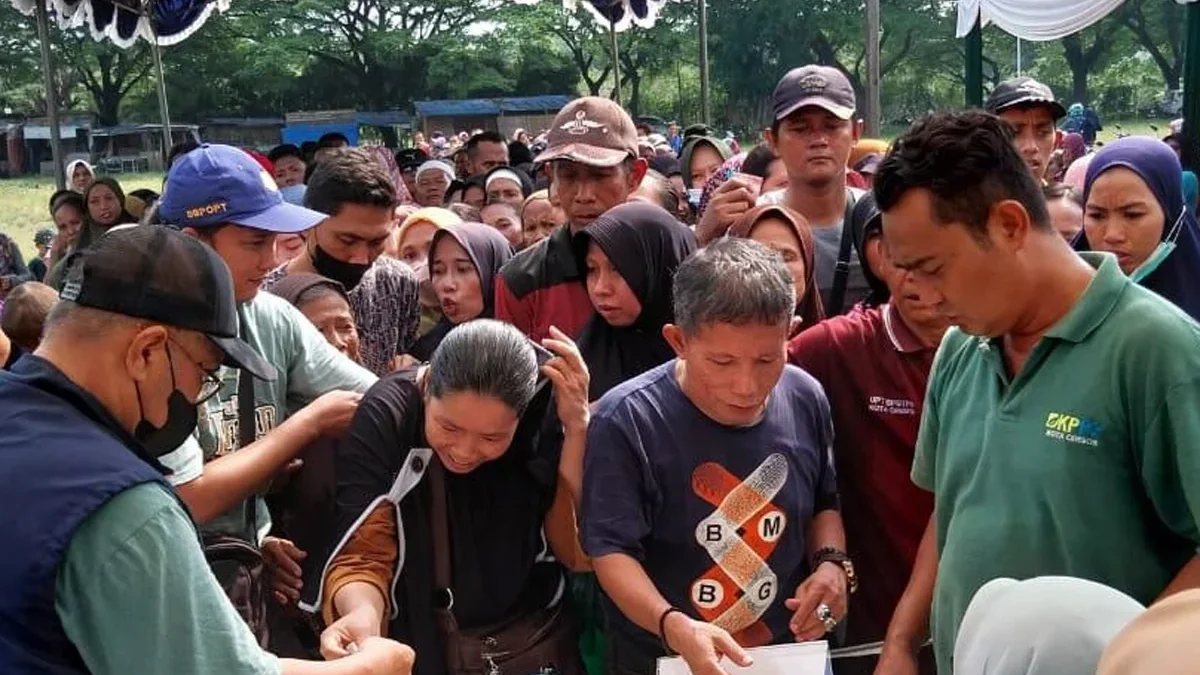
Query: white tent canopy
(1036, 20)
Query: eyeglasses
(211, 385)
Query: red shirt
(874, 370)
(543, 286)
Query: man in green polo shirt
(1060, 425)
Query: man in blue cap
(221, 196)
(102, 571)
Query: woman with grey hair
(445, 480)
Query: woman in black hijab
(463, 262)
(444, 485)
(630, 254)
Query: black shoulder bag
(841, 272)
(236, 563)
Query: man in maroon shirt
(593, 155)
(874, 364)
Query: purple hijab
(1178, 277)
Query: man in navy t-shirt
(709, 498)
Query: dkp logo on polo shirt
(740, 536)
(1073, 429)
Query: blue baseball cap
(217, 184)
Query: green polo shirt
(1085, 464)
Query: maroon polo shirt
(874, 370)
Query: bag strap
(247, 431)
(841, 271)
(441, 525)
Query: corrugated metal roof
(384, 118)
(491, 106)
(244, 121)
(128, 129)
(466, 108)
(548, 103)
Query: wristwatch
(839, 558)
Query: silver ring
(824, 612)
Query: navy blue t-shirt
(716, 515)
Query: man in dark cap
(815, 127)
(1032, 112)
(103, 571)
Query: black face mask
(347, 274)
(181, 421)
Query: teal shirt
(308, 367)
(135, 595)
(1085, 464)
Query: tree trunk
(634, 104)
(1080, 64)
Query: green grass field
(25, 204)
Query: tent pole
(612, 46)
(43, 28)
(705, 104)
(974, 66)
(163, 112)
(1191, 89)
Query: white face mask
(694, 195)
(1161, 252)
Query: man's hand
(283, 560)
(826, 586)
(569, 375)
(734, 199)
(702, 645)
(350, 634)
(331, 413)
(385, 657)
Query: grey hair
(735, 281)
(485, 357)
(67, 317)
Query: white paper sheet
(805, 658)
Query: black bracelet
(662, 632)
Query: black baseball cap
(820, 86)
(152, 272)
(1024, 92)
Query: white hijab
(1041, 626)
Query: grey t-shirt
(307, 368)
(828, 239)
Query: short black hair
(967, 161)
(179, 150)
(758, 161)
(484, 137)
(519, 153)
(332, 139)
(349, 176)
(286, 150)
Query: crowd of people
(574, 401)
